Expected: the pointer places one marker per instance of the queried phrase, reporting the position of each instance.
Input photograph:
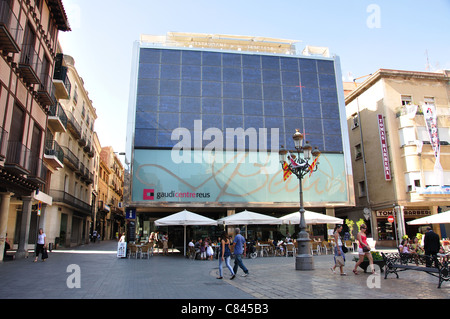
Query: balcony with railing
(62, 82)
(38, 171)
(80, 171)
(70, 159)
(82, 140)
(87, 177)
(30, 65)
(18, 158)
(45, 90)
(3, 143)
(87, 147)
(11, 33)
(73, 126)
(57, 118)
(54, 154)
(66, 198)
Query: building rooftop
(443, 75)
(231, 43)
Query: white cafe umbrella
(311, 218)
(248, 218)
(185, 218)
(442, 218)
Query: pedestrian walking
(339, 255)
(225, 256)
(239, 248)
(41, 246)
(165, 241)
(363, 250)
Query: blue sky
(366, 34)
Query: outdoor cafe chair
(315, 247)
(192, 253)
(349, 245)
(326, 246)
(145, 251)
(133, 251)
(290, 249)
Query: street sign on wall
(131, 213)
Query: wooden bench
(397, 262)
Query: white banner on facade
(431, 122)
(411, 110)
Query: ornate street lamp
(300, 167)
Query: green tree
(350, 223)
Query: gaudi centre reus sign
(205, 128)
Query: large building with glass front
(208, 114)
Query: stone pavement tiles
(104, 276)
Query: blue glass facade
(175, 87)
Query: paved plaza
(94, 272)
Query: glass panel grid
(233, 90)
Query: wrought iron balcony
(73, 126)
(45, 90)
(3, 143)
(54, 154)
(11, 33)
(82, 141)
(18, 158)
(70, 159)
(63, 197)
(87, 148)
(30, 65)
(38, 171)
(80, 171)
(57, 118)
(61, 79)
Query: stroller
(251, 250)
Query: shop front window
(385, 229)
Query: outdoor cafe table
(264, 249)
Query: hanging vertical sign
(384, 148)
(431, 122)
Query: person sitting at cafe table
(403, 247)
(279, 246)
(288, 238)
(415, 246)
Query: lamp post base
(304, 262)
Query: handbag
(340, 261)
(44, 253)
(365, 249)
(344, 249)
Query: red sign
(391, 219)
(384, 148)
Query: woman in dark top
(225, 255)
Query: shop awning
(443, 218)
